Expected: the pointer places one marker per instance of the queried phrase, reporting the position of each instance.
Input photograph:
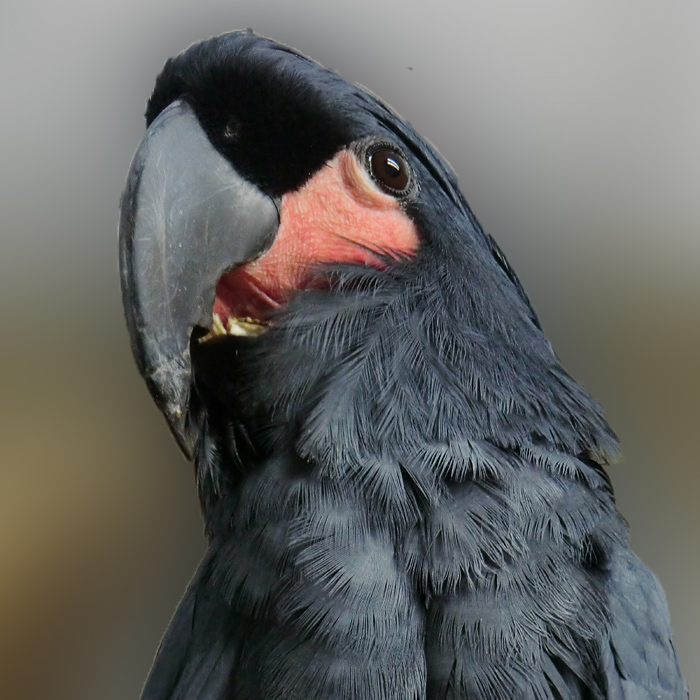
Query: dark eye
(231, 130)
(390, 169)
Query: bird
(404, 493)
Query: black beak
(187, 217)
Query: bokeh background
(574, 128)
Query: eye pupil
(390, 170)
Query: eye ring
(389, 168)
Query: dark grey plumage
(403, 490)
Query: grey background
(574, 130)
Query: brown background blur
(574, 128)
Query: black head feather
(277, 114)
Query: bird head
(287, 226)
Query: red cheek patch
(338, 216)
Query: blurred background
(574, 128)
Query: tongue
(239, 296)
